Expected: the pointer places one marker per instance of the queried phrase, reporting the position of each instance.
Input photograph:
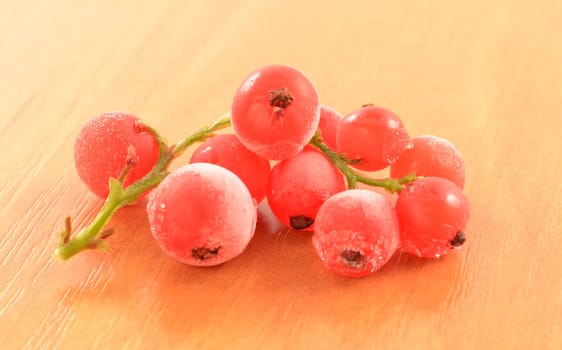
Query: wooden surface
(486, 75)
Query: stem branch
(337, 159)
(201, 134)
(392, 185)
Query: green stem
(337, 159)
(91, 236)
(87, 237)
(392, 185)
(201, 134)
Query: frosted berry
(372, 137)
(275, 112)
(431, 156)
(329, 122)
(106, 144)
(355, 233)
(202, 214)
(300, 185)
(433, 213)
(227, 151)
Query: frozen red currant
(431, 156)
(107, 144)
(372, 137)
(433, 213)
(275, 112)
(300, 185)
(202, 214)
(355, 233)
(329, 122)
(227, 151)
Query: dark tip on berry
(353, 258)
(131, 161)
(367, 105)
(458, 240)
(300, 222)
(281, 98)
(204, 253)
(132, 157)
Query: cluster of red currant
(204, 213)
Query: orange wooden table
(486, 75)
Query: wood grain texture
(486, 75)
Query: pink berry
(373, 137)
(104, 146)
(275, 112)
(329, 121)
(433, 213)
(431, 156)
(226, 150)
(202, 214)
(355, 233)
(300, 185)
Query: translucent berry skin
(329, 122)
(373, 135)
(275, 112)
(433, 213)
(300, 185)
(356, 233)
(202, 215)
(431, 156)
(226, 150)
(103, 146)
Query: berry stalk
(93, 236)
(201, 134)
(392, 185)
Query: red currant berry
(373, 137)
(202, 214)
(355, 233)
(431, 156)
(107, 144)
(275, 112)
(432, 213)
(329, 122)
(227, 151)
(300, 185)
